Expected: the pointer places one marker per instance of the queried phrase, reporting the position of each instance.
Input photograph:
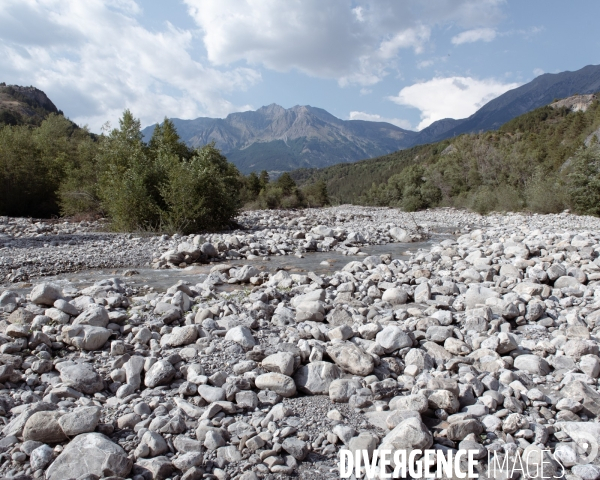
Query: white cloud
(538, 71)
(94, 59)
(425, 64)
(452, 97)
(352, 41)
(373, 117)
(475, 35)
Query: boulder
(161, 373)
(393, 338)
(351, 358)
(400, 235)
(395, 296)
(86, 337)
(316, 377)
(80, 420)
(95, 315)
(276, 382)
(45, 294)
(90, 454)
(82, 377)
(44, 427)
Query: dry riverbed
(233, 367)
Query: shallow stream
(317, 262)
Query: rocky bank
(488, 340)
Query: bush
(584, 181)
(544, 193)
(163, 186)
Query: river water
(322, 263)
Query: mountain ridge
(300, 136)
(277, 139)
(541, 91)
(24, 105)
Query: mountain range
(277, 139)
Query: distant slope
(535, 94)
(277, 139)
(24, 105)
(524, 160)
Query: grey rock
(161, 373)
(351, 358)
(316, 377)
(86, 337)
(393, 338)
(44, 427)
(80, 420)
(95, 315)
(82, 377)
(45, 294)
(276, 382)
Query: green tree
(584, 181)
(165, 138)
(254, 184)
(286, 183)
(264, 179)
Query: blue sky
(409, 62)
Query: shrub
(584, 181)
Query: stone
(590, 365)
(246, 399)
(395, 296)
(95, 315)
(155, 443)
(276, 382)
(532, 364)
(316, 377)
(245, 273)
(180, 336)
(445, 400)
(45, 294)
(157, 468)
(280, 362)
(393, 338)
(21, 316)
(566, 282)
(439, 334)
(211, 394)
(460, 429)
(400, 235)
(351, 358)
(341, 390)
(241, 335)
(586, 472)
(133, 369)
(44, 427)
(86, 337)
(411, 434)
(417, 403)
(82, 377)
(161, 373)
(41, 457)
(80, 420)
(295, 447)
(338, 316)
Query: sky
(407, 62)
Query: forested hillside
(544, 161)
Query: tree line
(163, 185)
